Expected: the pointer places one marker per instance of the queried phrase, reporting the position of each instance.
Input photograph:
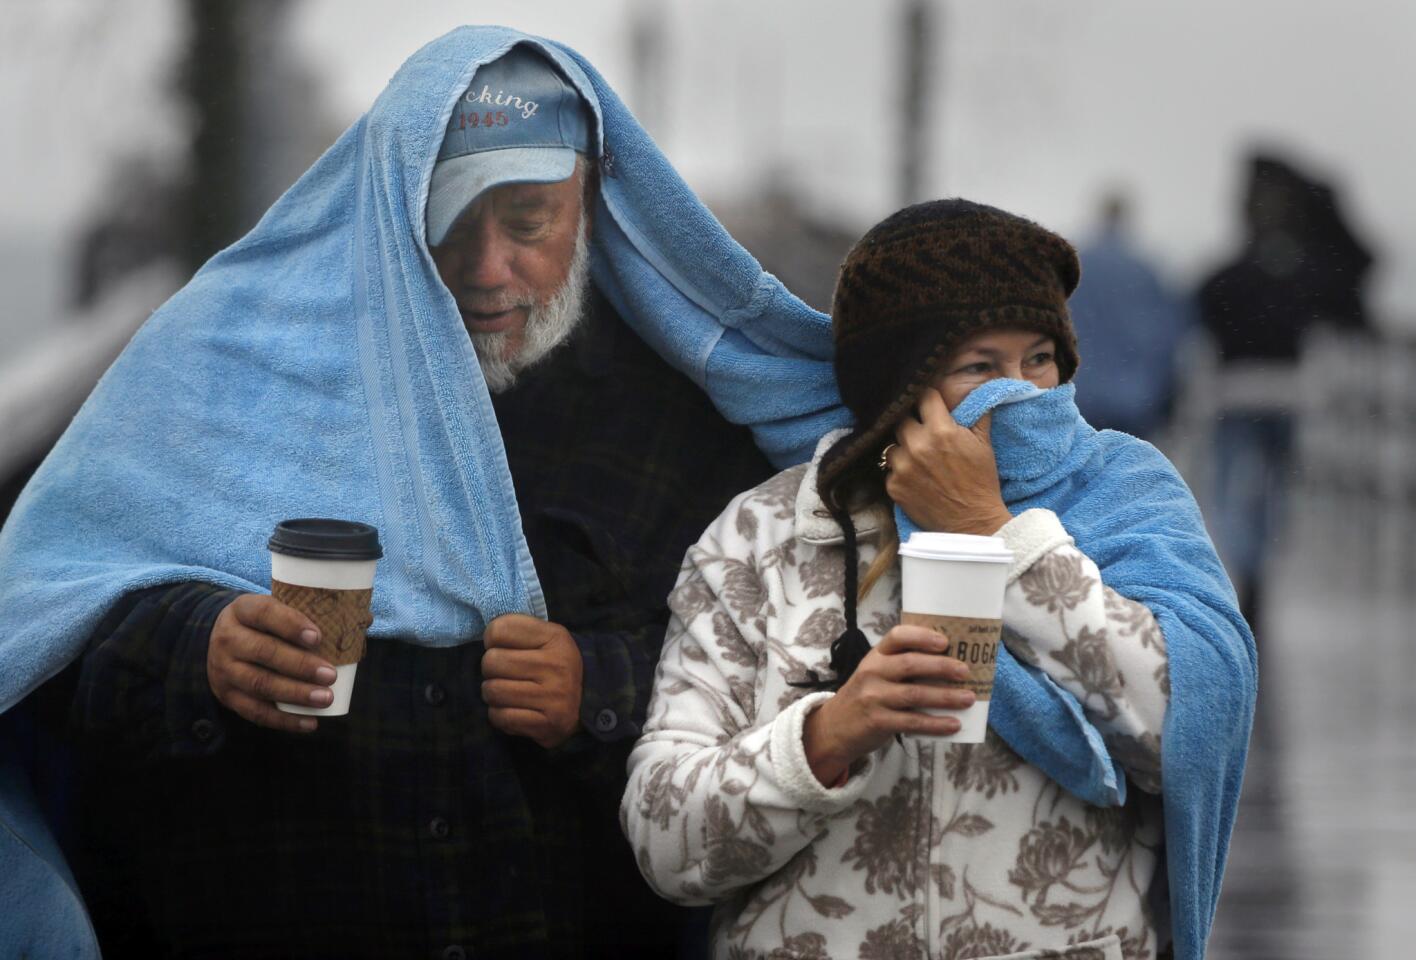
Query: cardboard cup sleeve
(342, 616)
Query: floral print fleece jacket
(929, 849)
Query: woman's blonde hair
(887, 545)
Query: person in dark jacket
(1300, 266)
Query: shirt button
(434, 695)
(606, 720)
(454, 952)
(439, 828)
(203, 730)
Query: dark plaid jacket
(411, 828)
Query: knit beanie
(917, 285)
(910, 291)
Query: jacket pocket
(584, 573)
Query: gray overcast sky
(1038, 104)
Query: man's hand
(943, 475)
(258, 654)
(531, 679)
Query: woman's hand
(944, 475)
(883, 697)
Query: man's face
(508, 263)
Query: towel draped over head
(319, 367)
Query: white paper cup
(331, 583)
(954, 583)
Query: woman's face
(1015, 354)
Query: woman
(773, 777)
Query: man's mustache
(496, 303)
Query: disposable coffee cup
(953, 583)
(325, 569)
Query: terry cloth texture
(44, 915)
(1131, 513)
(923, 280)
(319, 367)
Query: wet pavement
(1323, 862)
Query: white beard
(547, 326)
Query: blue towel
(319, 367)
(1130, 512)
(43, 914)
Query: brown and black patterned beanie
(919, 283)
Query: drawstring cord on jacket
(850, 648)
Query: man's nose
(487, 259)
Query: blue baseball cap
(518, 122)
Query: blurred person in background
(1300, 265)
(1130, 326)
(786, 772)
(494, 323)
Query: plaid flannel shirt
(411, 828)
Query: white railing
(1351, 497)
(1356, 446)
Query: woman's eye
(977, 368)
(1040, 359)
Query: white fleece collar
(813, 523)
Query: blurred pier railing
(1356, 445)
(42, 387)
(1351, 487)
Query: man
(1130, 327)
(465, 806)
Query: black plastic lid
(321, 539)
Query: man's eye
(453, 237)
(526, 227)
